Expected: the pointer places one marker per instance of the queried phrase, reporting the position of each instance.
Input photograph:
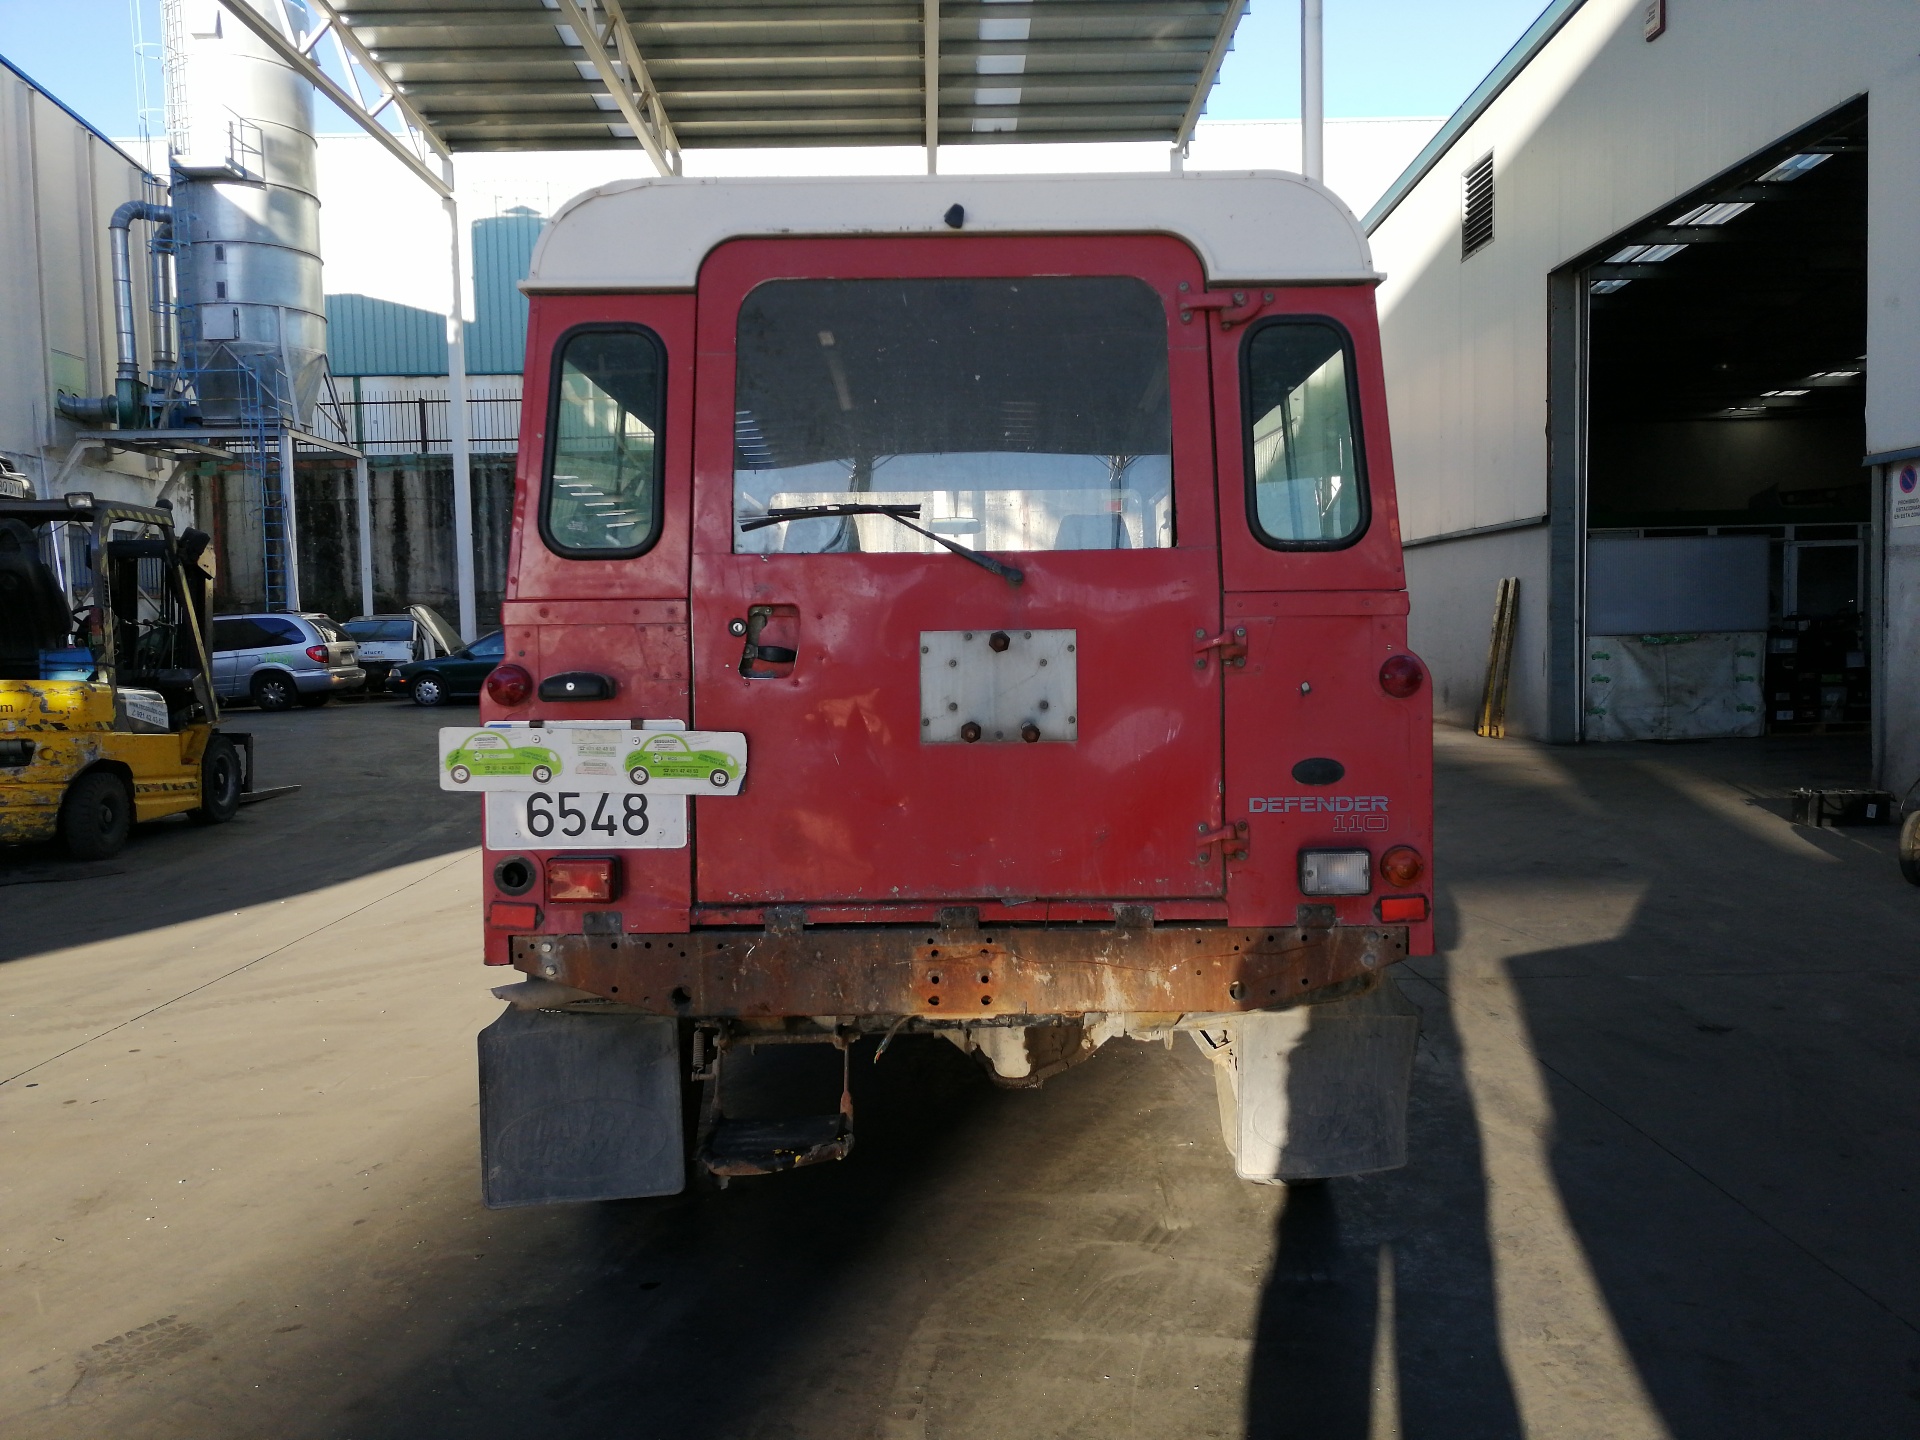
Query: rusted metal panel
(963, 975)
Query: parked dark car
(389, 640)
(458, 676)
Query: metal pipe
(128, 366)
(363, 512)
(930, 29)
(457, 438)
(289, 490)
(160, 294)
(1312, 95)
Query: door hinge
(1232, 646)
(1231, 838)
(1234, 307)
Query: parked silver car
(385, 641)
(279, 660)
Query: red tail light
(506, 915)
(509, 686)
(582, 877)
(317, 654)
(1401, 676)
(1402, 866)
(1404, 908)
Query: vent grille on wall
(1476, 207)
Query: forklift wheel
(96, 816)
(220, 781)
(1910, 848)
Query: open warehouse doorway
(1728, 519)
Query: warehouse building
(1652, 329)
(60, 183)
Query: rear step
(762, 1147)
(743, 1145)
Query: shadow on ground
(369, 800)
(1381, 1302)
(1733, 1074)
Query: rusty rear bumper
(994, 972)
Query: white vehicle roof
(1248, 227)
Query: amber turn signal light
(509, 685)
(1401, 675)
(1402, 866)
(582, 877)
(1404, 908)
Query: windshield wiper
(904, 514)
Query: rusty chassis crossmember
(959, 976)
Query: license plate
(585, 820)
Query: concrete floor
(1663, 1180)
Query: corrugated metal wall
(366, 336)
(502, 256)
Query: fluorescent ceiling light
(1607, 287)
(1786, 392)
(1643, 254)
(1791, 168)
(1834, 375)
(1716, 214)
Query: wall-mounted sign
(1906, 495)
(1656, 19)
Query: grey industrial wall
(413, 554)
(1599, 131)
(1453, 584)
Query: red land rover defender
(1032, 541)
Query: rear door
(230, 636)
(920, 728)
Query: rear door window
(1006, 414)
(489, 647)
(1306, 483)
(235, 634)
(602, 496)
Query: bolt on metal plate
(1011, 687)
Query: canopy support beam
(598, 25)
(1203, 87)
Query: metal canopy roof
(576, 74)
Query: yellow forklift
(107, 705)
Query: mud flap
(579, 1107)
(1319, 1091)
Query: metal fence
(417, 424)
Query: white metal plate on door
(585, 820)
(1034, 681)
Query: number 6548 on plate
(585, 820)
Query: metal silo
(252, 316)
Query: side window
(275, 631)
(602, 493)
(231, 635)
(489, 647)
(1306, 483)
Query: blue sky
(1383, 57)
